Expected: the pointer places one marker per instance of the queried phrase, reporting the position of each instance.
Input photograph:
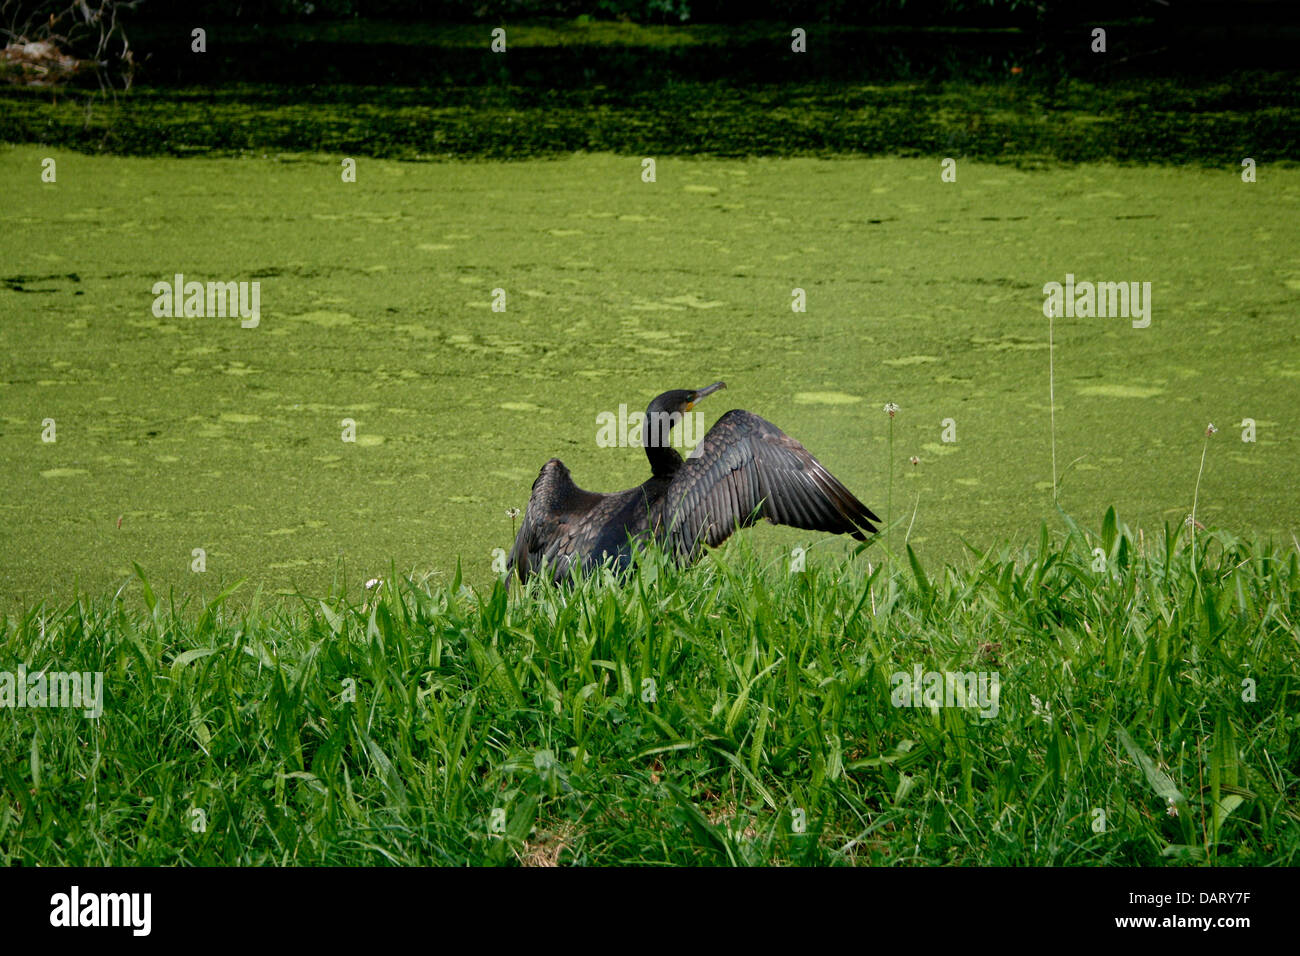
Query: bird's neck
(664, 462)
(655, 433)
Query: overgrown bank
(1143, 714)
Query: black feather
(744, 470)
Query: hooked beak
(703, 393)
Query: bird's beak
(702, 393)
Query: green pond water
(376, 306)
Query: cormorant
(744, 469)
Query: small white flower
(512, 513)
(1172, 809)
(1210, 429)
(891, 409)
(374, 582)
(1041, 710)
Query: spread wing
(546, 533)
(746, 469)
(564, 524)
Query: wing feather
(548, 534)
(746, 469)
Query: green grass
(771, 738)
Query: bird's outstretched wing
(554, 530)
(543, 536)
(745, 469)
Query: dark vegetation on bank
(1017, 84)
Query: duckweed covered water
(175, 434)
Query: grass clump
(732, 713)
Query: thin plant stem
(871, 590)
(1195, 498)
(889, 498)
(913, 521)
(1051, 388)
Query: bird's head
(661, 416)
(680, 400)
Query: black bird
(744, 469)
